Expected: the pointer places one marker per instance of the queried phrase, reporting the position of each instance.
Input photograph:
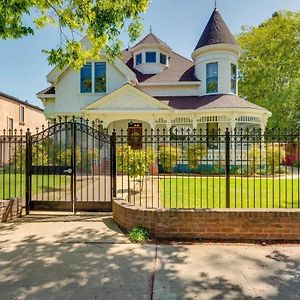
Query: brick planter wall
(10, 210)
(215, 224)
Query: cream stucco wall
(68, 97)
(33, 118)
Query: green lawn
(244, 193)
(14, 185)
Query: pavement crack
(152, 276)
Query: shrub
(195, 153)
(275, 155)
(168, 156)
(134, 162)
(138, 235)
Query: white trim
(127, 87)
(180, 83)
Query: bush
(168, 156)
(195, 153)
(296, 164)
(134, 162)
(138, 235)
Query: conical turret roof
(216, 32)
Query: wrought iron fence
(190, 169)
(62, 166)
(152, 168)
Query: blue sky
(23, 66)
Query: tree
(100, 20)
(270, 67)
(168, 156)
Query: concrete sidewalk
(88, 257)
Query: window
(100, 77)
(93, 78)
(151, 57)
(138, 59)
(10, 125)
(212, 78)
(86, 78)
(22, 115)
(233, 78)
(163, 59)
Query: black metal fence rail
(62, 166)
(209, 169)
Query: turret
(216, 58)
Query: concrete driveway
(88, 257)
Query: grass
(14, 185)
(138, 235)
(244, 193)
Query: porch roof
(208, 102)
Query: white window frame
(10, 131)
(93, 80)
(22, 122)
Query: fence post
(227, 166)
(28, 154)
(113, 163)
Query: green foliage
(18, 157)
(168, 156)
(138, 235)
(101, 21)
(270, 67)
(134, 162)
(195, 153)
(265, 159)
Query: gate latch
(69, 171)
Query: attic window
(163, 59)
(86, 78)
(150, 57)
(138, 59)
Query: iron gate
(68, 168)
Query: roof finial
(150, 29)
(215, 4)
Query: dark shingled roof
(179, 69)
(216, 32)
(48, 91)
(25, 103)
(208, 101)
(151, 39)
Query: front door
(135, 135)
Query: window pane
(163, 59)
(100, 77)
(22, 118)
(138, 59)
(212, 78)
(10, 124)
(233, 78)
(86, 78)
(151, 57)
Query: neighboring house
(15, 115)
(151, 86)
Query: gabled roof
(129, 90)
(209, 102)
(25, 103)
(216, 32)
(151, 39)
(48, 91)
(180, 69)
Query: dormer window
(212, 78)
(138, 59)
(150, 57)
(163, 59)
